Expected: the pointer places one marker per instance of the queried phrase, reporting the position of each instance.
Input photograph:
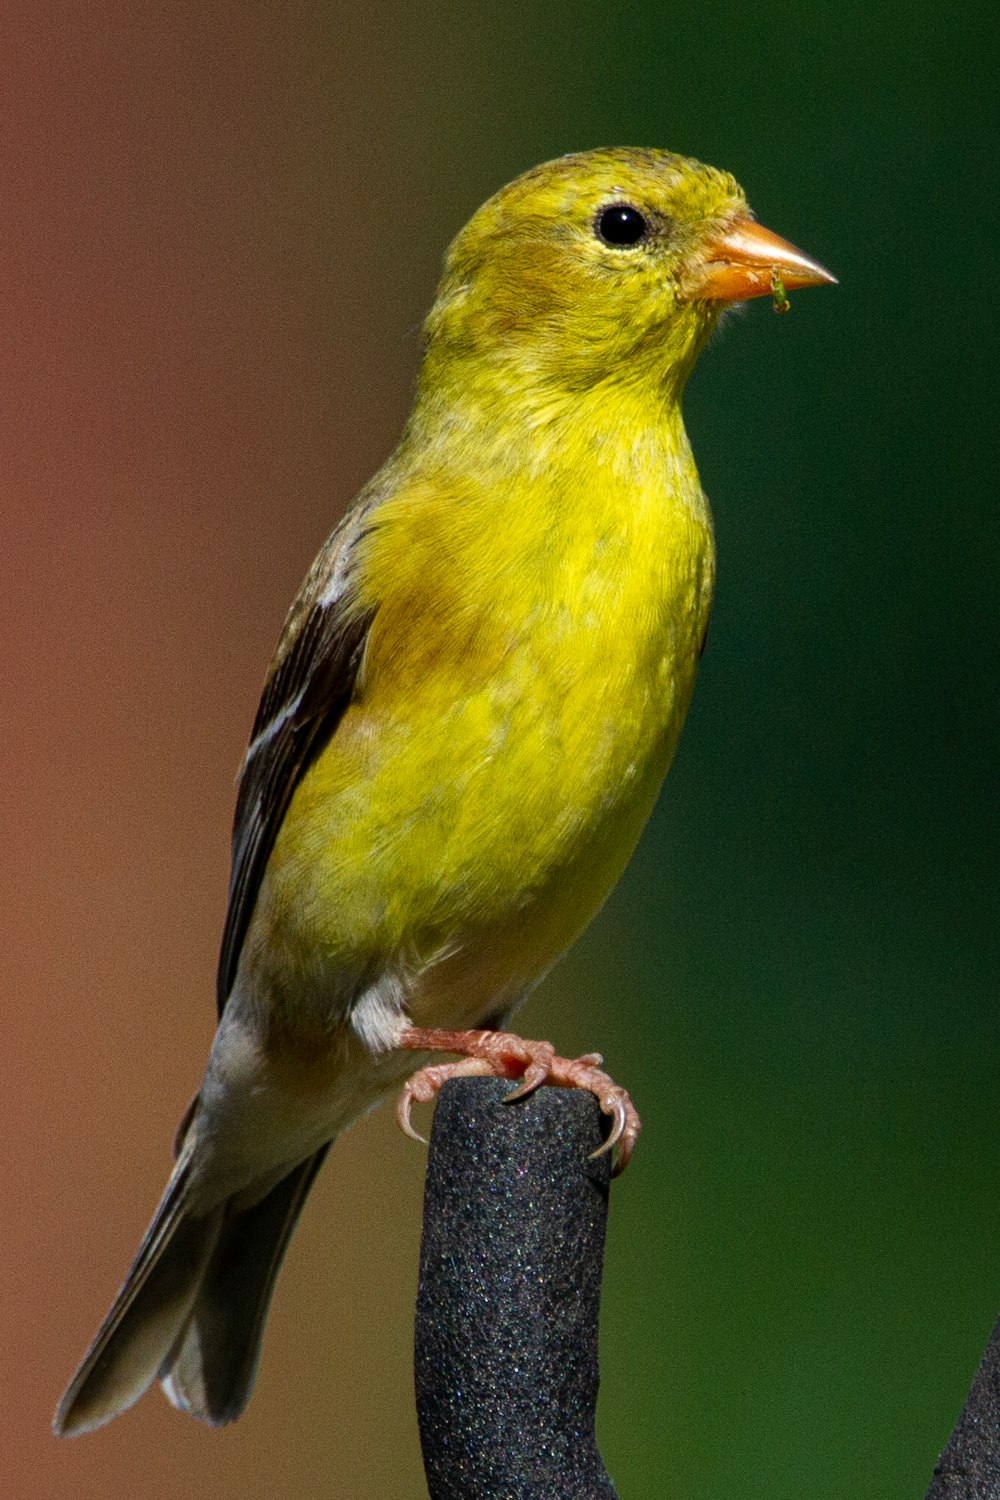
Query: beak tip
(819, 276)
(823, 277)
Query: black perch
(969, 1467)
(511, 1257)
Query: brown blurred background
(220, 228)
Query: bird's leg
(501, 1054)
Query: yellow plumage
(520, 704)
(472, 706)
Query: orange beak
(747, 260)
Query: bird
(472, 705)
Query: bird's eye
(621, 225)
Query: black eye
(621, 224)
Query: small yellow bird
(473, 703)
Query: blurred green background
(222, 225)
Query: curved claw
(619, 1116)
(403, 1106)
(623, 1133)
(534, 1077)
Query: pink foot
(501, 1054)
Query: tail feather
(192, 1308)
(209, 1371)
(148, 1314)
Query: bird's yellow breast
(527, 673)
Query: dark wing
(308, 689)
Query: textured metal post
(969, 1467)
(507, 1308)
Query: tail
(192, 1308)
(209, 1371)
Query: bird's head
(607, 265)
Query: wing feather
(309, 686)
